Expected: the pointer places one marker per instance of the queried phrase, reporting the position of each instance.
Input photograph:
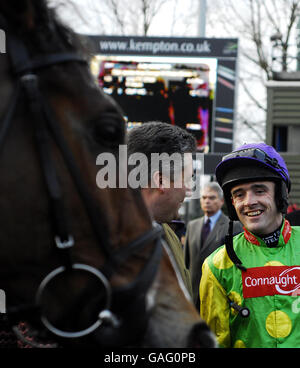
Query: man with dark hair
(169, 176)
(248, 286)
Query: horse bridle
(46, 127)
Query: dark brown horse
(68, 249)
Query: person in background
(249, 286)
(165, 191)
(205, 234)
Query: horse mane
(41, 28)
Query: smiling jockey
(250, 286)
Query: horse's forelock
(40, 27)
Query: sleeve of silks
(214, 307)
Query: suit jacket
(195, 255)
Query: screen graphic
(189, 82)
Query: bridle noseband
(46, 128)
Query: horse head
(83, 263)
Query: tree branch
(250, 95)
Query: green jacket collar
(285, 235)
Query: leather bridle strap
(120, 256)
(145, 278)
(136, 245)
(63, 239)
(44, 121)
(93, 212)
(22, 63)
(9, 114)
(47, 127)
(45, 61)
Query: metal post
(201, 17)
(298, 44)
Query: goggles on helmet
(259, 155)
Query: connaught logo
(270, 280)
(288, 277)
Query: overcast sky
(163, 24)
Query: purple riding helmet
(253, 162)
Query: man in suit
(165, 190)
(206, 234)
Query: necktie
(205, 231)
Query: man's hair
(161, 138)
(215, 187)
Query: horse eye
(108, 132)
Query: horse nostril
(201, 337)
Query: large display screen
(189, 82)
(176, 90)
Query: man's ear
(157, 181)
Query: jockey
(249, 286)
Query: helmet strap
(281, 197)
(230, 250)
